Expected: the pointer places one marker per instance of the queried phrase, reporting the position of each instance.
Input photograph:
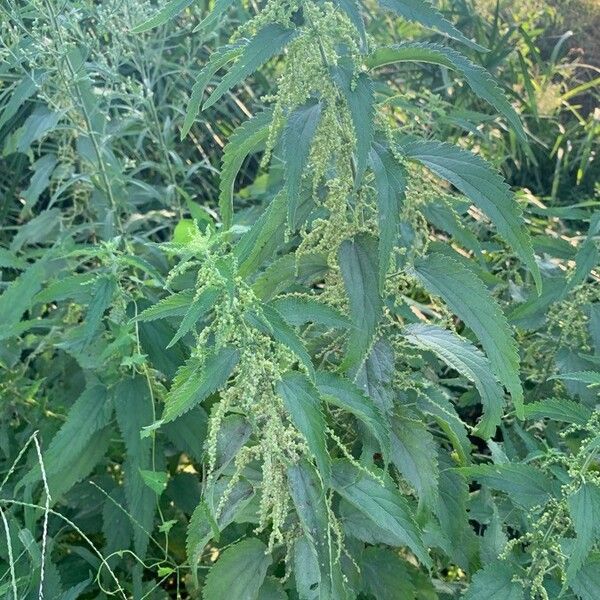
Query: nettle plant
(314, 364)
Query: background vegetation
(109, 206)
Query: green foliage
(287, 377)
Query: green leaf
(468, 298)
(303, 403)
(268, 42)
(9, 260)
(195, 381)
(342, 392)
(239, 572)
(297, 139)
(584, 508)
(234, 432)
(134, 409)
(248, 138)
(272, 589)
(376, 374)
(385, 575)
(310, 502)
(155, 480)
(484, 187)
(90, 414)
(17, 297)
(390, 180)
(200, 305)
(423, 12)
(290, 271)
(218, 59)
(461, 355)
(306, 569)
(218, 9)
(203, 525)
(168, 12)
(479, 80)
(299, 310)
(359, 266)
(358, 93)
(525, 485)
(559, 409)
(590, 378)
(261, 241)
(175, 305)
(414, 454)
(586, 584)
(379, 502)
(495, 582)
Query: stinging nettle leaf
(268, 42)
(379, 502)
(468, 298)
(358, 93)
(468, 360)
(175, 305)
(423, 12)
(495, 582)
(250, 137)
(484, 187)
(168, 12)
(297, 139)
(303, 403)
(200, 305)
(359, 266)
(479, 80)
(584, 508)
(299, 310)
(343, 393)
(390, 180)
(239, 572)
(195, 381)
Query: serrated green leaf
(390, 180)
(479, 80)
(133, 406)
(200, 305)
(297, 139)
(268, 42)
(218, 59)
(168, 12)
(155, 480)
(495, 582)
(423, 12)
(526, 485)
(204, 526)
(306, 569)
(414, 454)
(465, 358)
(175, 305)
(559, 409)
(218, 9)
(379, 502)
(584, 509)
(343, 393)
(196, 380)
(234, 432)
(590, 378)
(484, 187)
(260, 242)
(468, 298)
(246, 139)
(586, 584)
(299, 310)
(303, 403)
(385, 575)
(310, 503)
(357, 90)
(375, 376)
(239, 572)
(359, 266)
